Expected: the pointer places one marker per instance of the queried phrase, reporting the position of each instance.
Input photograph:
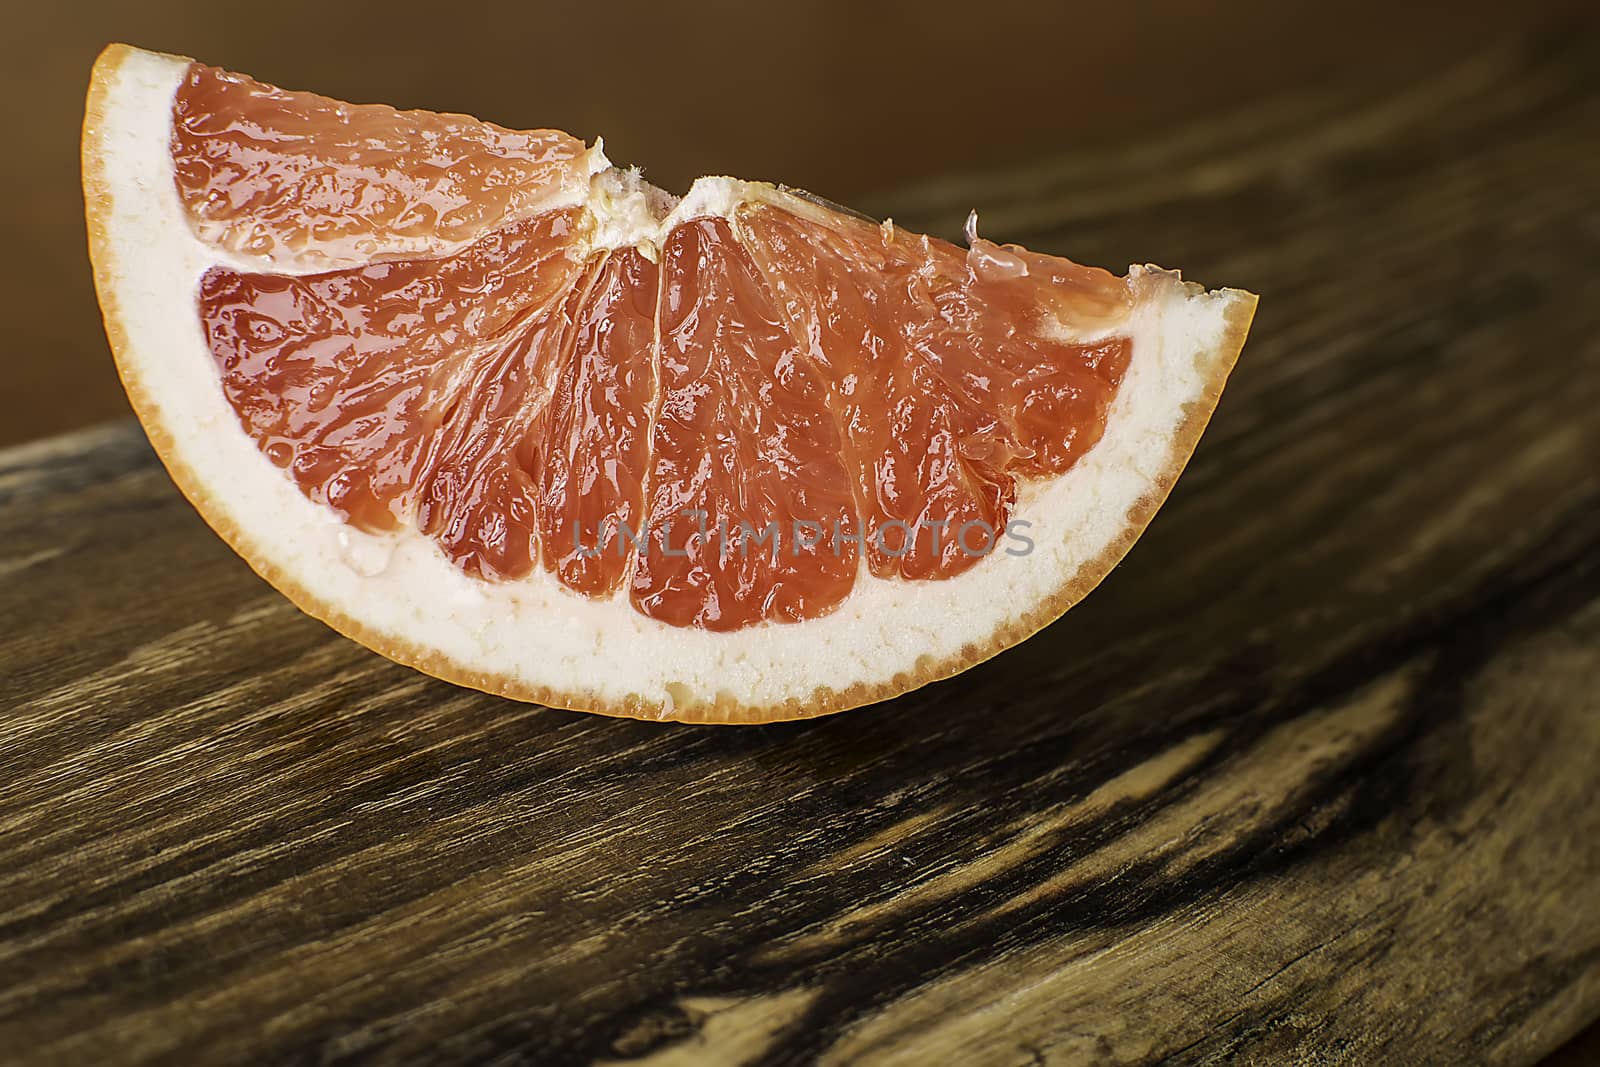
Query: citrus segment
(302, 180)
(343, 378)
(477, 500)
(590, 448)
(744, 448)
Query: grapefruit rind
(532, 639)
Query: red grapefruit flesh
(299, 179)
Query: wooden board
(1309, 779)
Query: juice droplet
(366, 554)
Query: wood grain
(1309, 779)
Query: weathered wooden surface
(1309, 779)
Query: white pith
(534, 630)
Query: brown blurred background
(855, 101)
(851, 100)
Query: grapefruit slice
(508, 414)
